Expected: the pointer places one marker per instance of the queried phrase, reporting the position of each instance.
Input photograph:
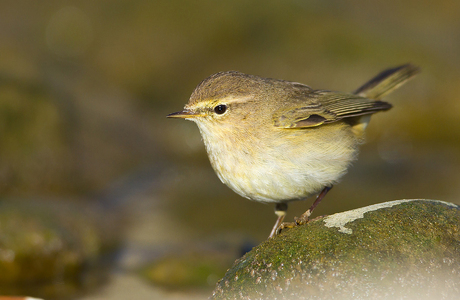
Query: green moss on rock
(406, 248)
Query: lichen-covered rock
(406, 249)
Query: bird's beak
(185, 114)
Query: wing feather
(326, 107)
(309, 108)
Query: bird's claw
(284, 226)
(298, 221)
(303, 219)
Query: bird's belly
(274, 183)
(276, 171)
(269, 177)
(268, 185)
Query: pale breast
(292, 165)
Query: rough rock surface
(405, 249)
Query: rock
(188, 271)
(195, 267)
(52, 249)
(400, 249)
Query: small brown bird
(278, 141)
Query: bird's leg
(280, 211)
(304, 217)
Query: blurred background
(102, 197)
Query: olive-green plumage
(277, 141)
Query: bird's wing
(322, 107)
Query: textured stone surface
(406, 249)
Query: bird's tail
(387, 81)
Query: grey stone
(406, 249)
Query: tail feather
(377, 88)
(387, 81)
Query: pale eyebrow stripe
(233, 99)
(225, 100)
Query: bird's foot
(303, 219)
(285, 225)
(298, 221)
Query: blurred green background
(85, 87)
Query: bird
(277, 141)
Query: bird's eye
(220, 109)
